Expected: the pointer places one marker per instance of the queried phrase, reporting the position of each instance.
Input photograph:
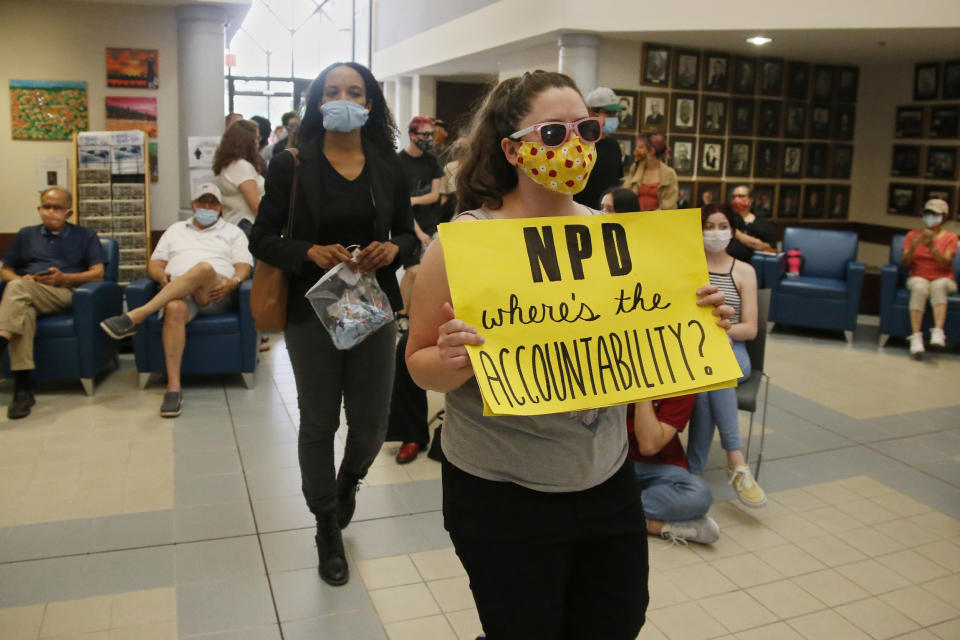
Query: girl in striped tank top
(738, 282)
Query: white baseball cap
(937, 205)
(208, 188)
(603, 98)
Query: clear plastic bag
(351, 305)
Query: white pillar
(404, 108)
(424, 96)
(200, 80)
(578, 59)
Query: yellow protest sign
(586, 311)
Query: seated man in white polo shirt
(199, 264)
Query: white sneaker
(916, 345)
(937, 338)
(703, 530)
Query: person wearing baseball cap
(929, 253)
(199, 264)
(608, 170)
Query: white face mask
(932, 219)
(716, 240)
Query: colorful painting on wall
(47, 109)
(125, 113)
(132, 68)
(154, 169)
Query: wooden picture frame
(771, 77)
(788, 201)
(814, 201)
(791, 165)
(713, 187)
(686, 192)
(940, 163)
(742, 116)
(795, 120)
(683, 151)
(902, 199)
(908, 122)
(628, 116)
(838, 202)
(713, 116)
(739, 158)
(770, 118)
(951, 80)
(686, 69)
(944, 121)
(684, 113)
(711, 156)
(905, 162)
(798, 81)
(820, 125)
(822, 83)
(926, 81)
(844, 121)
(656, 65)
(744, 76)
(654, 112)
(716, 72)
(847, 84)
(817, 160)
(841, 161)
(766, 164)
(764, 199)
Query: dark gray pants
(363, 378)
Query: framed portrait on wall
(906, 161)
(820, 121)
(764, 199)
(945, 192)
(710, 157)
(902, 199)
(626, 142)
(795, 121)
(844, 120)
(792, 166)
(926, 81)
(944, 121)
(742, 116)
(769, 118)
(767, 161)
(841, 161)
(715, 72)
(686, 69)
(654, 112)
(818, 159)
(909, 122)
(708, 191)
(951, 80)
(744, 75)
(941, 163)
(847, 81)
(788, 201)
(814, 201)
(798, 80)
(713, 116)
(838, 203)
(684, 113)
(771, 77)
(685, 191)
(684, 153)
(656, 65)
(822, 83)
(628, 116)
(739, 158)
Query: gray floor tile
(274, 483)
(131, 570)
(224, 606)
(279, 514)
(341, 626)
(302, 594)
(213, 489)
(923, 487)
(212, 521)
(382, 501)
(393, 536)
(825, 466)
(270, 457)
(291, 550)
(188, 464)
(420, 497)
(258, 436)
(203, 439)
(129, 530)
(32, 582)
(262, 414)
(946, 470)
(271, 632)
(218, 560)
(47, 539)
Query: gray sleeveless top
(553, 453)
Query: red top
(648, 196)
(674, 412)
(924, 265)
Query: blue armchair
(216, 344)
(895, 299)
(826, 294)
(72, 345)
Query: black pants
(551, 566)
(408, 406)
(362, 378)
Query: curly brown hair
(485, 176)
(239, 142)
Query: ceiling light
(759, 40)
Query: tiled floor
(115, 523)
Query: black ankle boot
(333, 560)
(346, 497)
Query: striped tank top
(728, 287)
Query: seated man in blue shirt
(41, 268)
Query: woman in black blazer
(350, 191)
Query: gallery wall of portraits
(923, 162)
(785, 127)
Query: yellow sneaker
(746, 487)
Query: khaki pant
(936, 290)
(22, 301)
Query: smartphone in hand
(45, 272)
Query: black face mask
(424, 145)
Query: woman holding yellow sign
(542, 510)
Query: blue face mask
(610, 125)
(343, 115)
(205, 217)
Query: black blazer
(393, 221)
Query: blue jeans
(716, 408)
(671, 493)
